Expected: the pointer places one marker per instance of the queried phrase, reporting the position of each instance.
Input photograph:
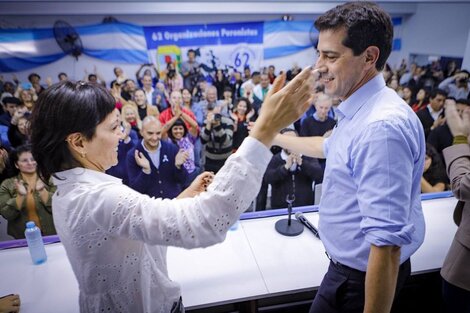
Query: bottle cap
(30, 224)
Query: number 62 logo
(242, 56)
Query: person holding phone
(433, 114)
(217, 138)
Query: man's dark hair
(12, 100)
(114, 82)
(30, 76)
(459, 101)
(191, 50)
(8, 84)
(92, 76)
(63, 109)
(255, 73)
(437, 91)
(366, 25)
(62, 74)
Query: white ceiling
(189, 7)
(148, 7)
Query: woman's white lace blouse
(116, 238)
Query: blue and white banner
(287, 38)
(204, 34)
(222, 46)
(22, 49)
(218, 46)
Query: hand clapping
(142, 161)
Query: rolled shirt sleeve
(382, 166)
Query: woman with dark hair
(422, 100)
(115, 237)
(194, 107)
(408, 95)
(243, 114)
(178, 134)
(25, 197)
(434, 175)
(220, 82)
(116, 91)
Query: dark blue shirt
(163, 182)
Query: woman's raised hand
(284, 105)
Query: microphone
(307, 224)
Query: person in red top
(422, 100)
(176, 109)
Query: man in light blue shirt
(371, 220)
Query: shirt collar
(80, 174)
(349, 107)
(434, 112)
(150, 152)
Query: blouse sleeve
(192, 222)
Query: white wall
(466, 58)
(437, 29)
(146, 20)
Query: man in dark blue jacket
(154, 166)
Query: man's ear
(372, 54)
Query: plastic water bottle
(35, 243)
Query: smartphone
(443, 113)
(26, 86)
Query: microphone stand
(290, 227)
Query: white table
(48, 287)
(440, 230)
(224, 273)
(287, 263)
(253, 262)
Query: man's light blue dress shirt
(371, 190)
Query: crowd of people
(178, 122)
(159, 131)
(208, 116)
